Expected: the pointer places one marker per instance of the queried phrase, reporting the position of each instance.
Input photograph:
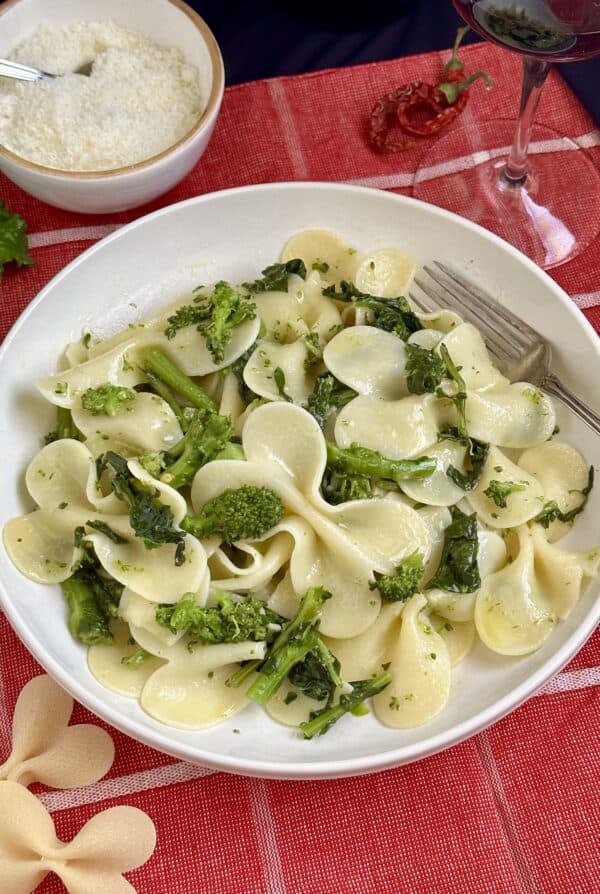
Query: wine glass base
(551, 217)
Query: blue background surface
(265, 39)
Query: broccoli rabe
(499, 491)
(159, 366)
(87, 622)
(459, 398)
(107, 400)
(297, 638)
(404, 582)
(314, 350)
(206, 435)
(92, 596)
(275, 277)
(318, 674)
(151, 520)
(475, 460)
(279, 380)
(424, 369)
(225, 622)
(65, 427)
(328, 395)
(320, 722)
(237, 368)
(458, 570)
(552, 511)
(139, 658)
(390, 314)
(357, 460)
(243, 513)
(215, 316)
(337, 488)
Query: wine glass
(545, 200)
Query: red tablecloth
(514, 810)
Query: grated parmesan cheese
(139, 100)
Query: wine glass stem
(535, 72)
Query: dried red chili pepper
(444, 102)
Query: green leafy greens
(13, 239)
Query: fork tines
(500, 328)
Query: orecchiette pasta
(406, 482)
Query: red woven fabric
(512, 811)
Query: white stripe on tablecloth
(71, 234)
(121, 786)
(586, 299)
(463, 162)
(569, 681)
(293, 143)
(523, 873)
(180, 771)
(267, 836)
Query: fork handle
(555, 387)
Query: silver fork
(519, 351)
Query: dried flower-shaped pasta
(46, 749)
(112, 842)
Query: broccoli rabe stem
(206, 435)
(322, 721)
(167, 395)
(357, 460)
(293, 644)
(154, 361)
(86, 622)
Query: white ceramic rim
(315, 769)
(212, 106)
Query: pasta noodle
(423, 494)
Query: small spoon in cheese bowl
(10, 69)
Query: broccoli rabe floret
(328, 395)
(226, 622)
(403, 582)
(499, 491)
(357, 460)
(215, 316)
(243, 513)
(298, 637)
(107, 400)
(206, 435)
(321, 721)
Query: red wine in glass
(545, 202)
(564, 30)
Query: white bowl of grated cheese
(130, 131)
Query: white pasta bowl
(127, 277)
(171, 23)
